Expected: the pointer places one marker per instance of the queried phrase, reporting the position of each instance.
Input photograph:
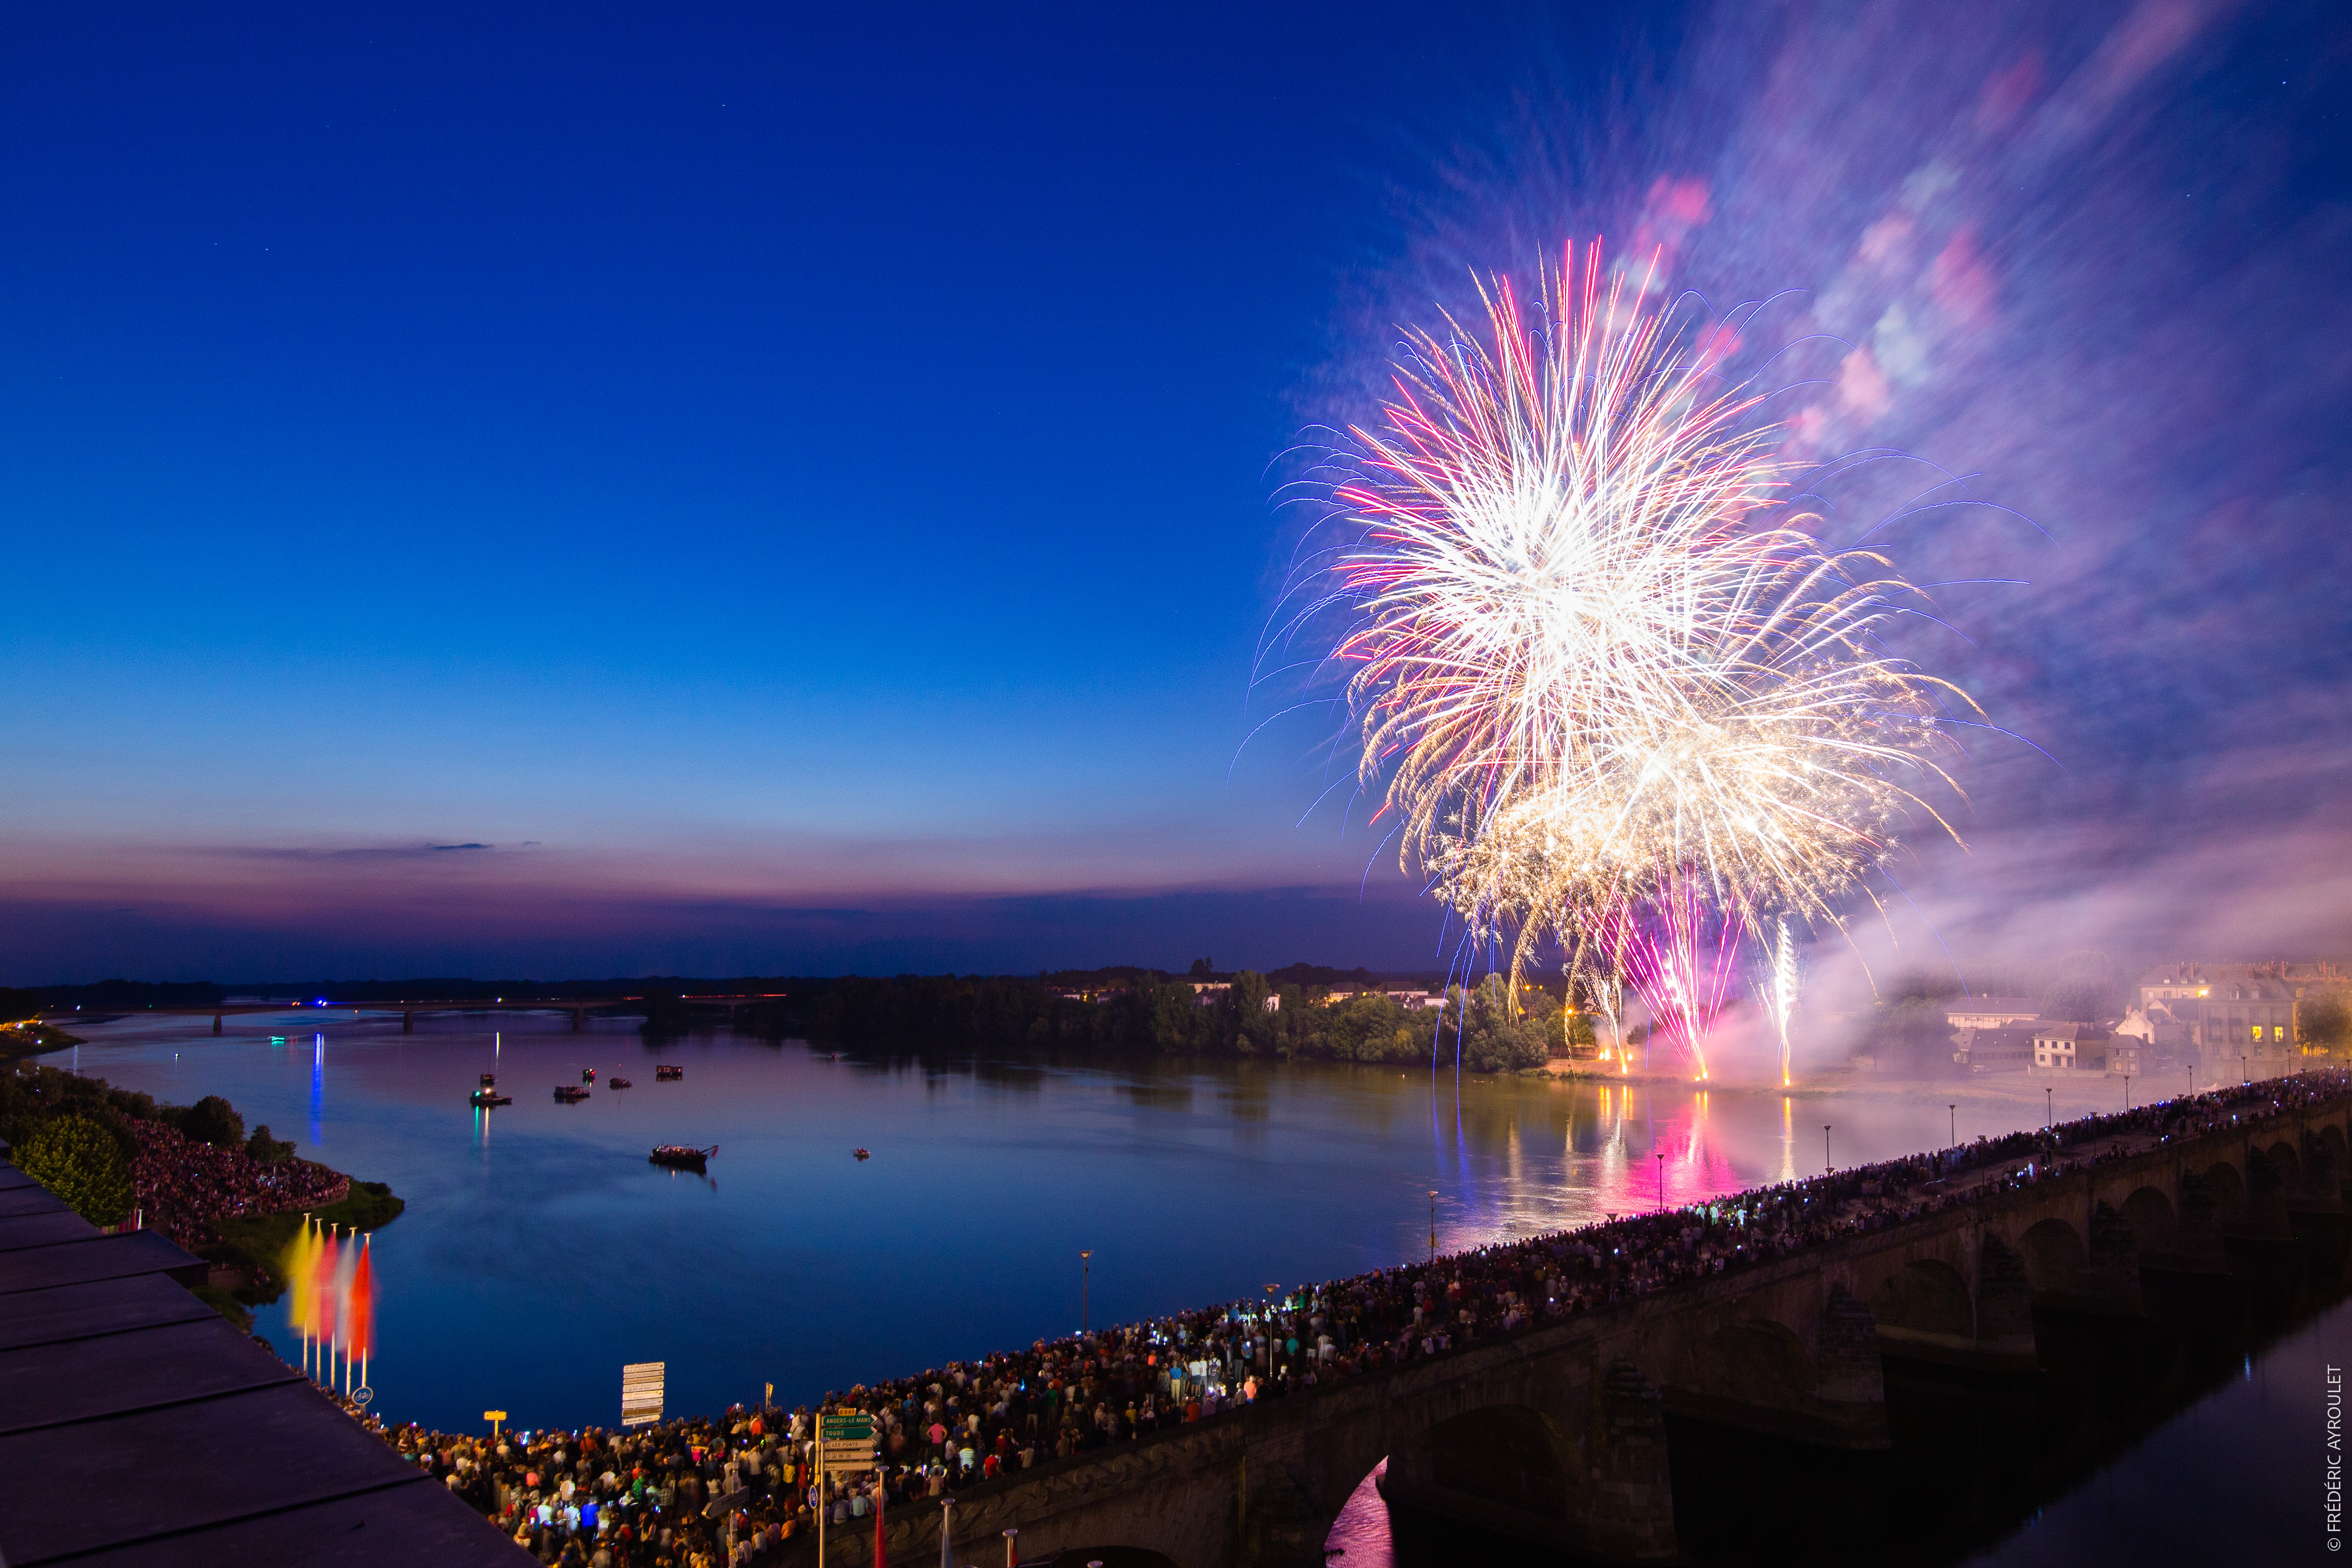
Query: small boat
(492, 1097)
(665, 1073)
(568, 1094)
(863, 1154)
(587, 1075)
(619, 1084)
(681, 1156)
(489, 1079)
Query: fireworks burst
(1618, 698)
(1781, 991)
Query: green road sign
(844, 1428)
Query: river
(541, 1251)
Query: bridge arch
(2151, 1214)
(2332, 1136)
(1925, 1297)
(1756, 1361)
(2054, 1256)
(2228, 1184)
(1511, 1464)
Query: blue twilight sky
(585, 489)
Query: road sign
(834, 1428)
(494, 1415)
(846, 1455)
(641, 1393)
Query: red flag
(363, 1339)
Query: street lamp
(2049, 1111)
(1270, 1290)
(1433, 1224)
(2127, 1093)
(1085, 1278)
(1826, 1167)
(1662, 1178)
(1955, 1109)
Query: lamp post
(1955, 1109)
(1085, 1278)
(2049, 1111)
(2126, 1092)
(1270, 1290)
(1826, 1167)
(1433, 1224)
(1662, 1178)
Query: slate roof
(139, 1429)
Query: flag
(359, 1305)
(347, 1258)
(297, 1266)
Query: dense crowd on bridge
(703, 1493)
(184, 1186)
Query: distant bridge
(578, 1007)
(1555, 1432)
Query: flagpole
(334, 1319)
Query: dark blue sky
(591, 488)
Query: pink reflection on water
(1360, 1534)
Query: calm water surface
(541, 1251)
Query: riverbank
(191, 1173)
(31, 1037)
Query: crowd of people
(184, 1187)
(720, 1493)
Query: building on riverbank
(2068, 1048)
(1994, 1050)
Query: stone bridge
(1555, 1433)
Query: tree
(213, 1120)
(1494, 1037)
(266, 1149)
(80, 1162)
(2324, 1023)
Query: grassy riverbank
(32, 1038)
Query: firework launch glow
(1619, 700)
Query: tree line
(1148, 1012)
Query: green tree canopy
(80, 1162)
(2325, 1022)
(213, 1120)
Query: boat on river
(618, 1083)
(568, 1093)
(587, 1075)
(488, 1094)
(681, 1156)
(665, 1073)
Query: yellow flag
(298, 1267)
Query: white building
(1989, 1012)
(2071, 1048)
